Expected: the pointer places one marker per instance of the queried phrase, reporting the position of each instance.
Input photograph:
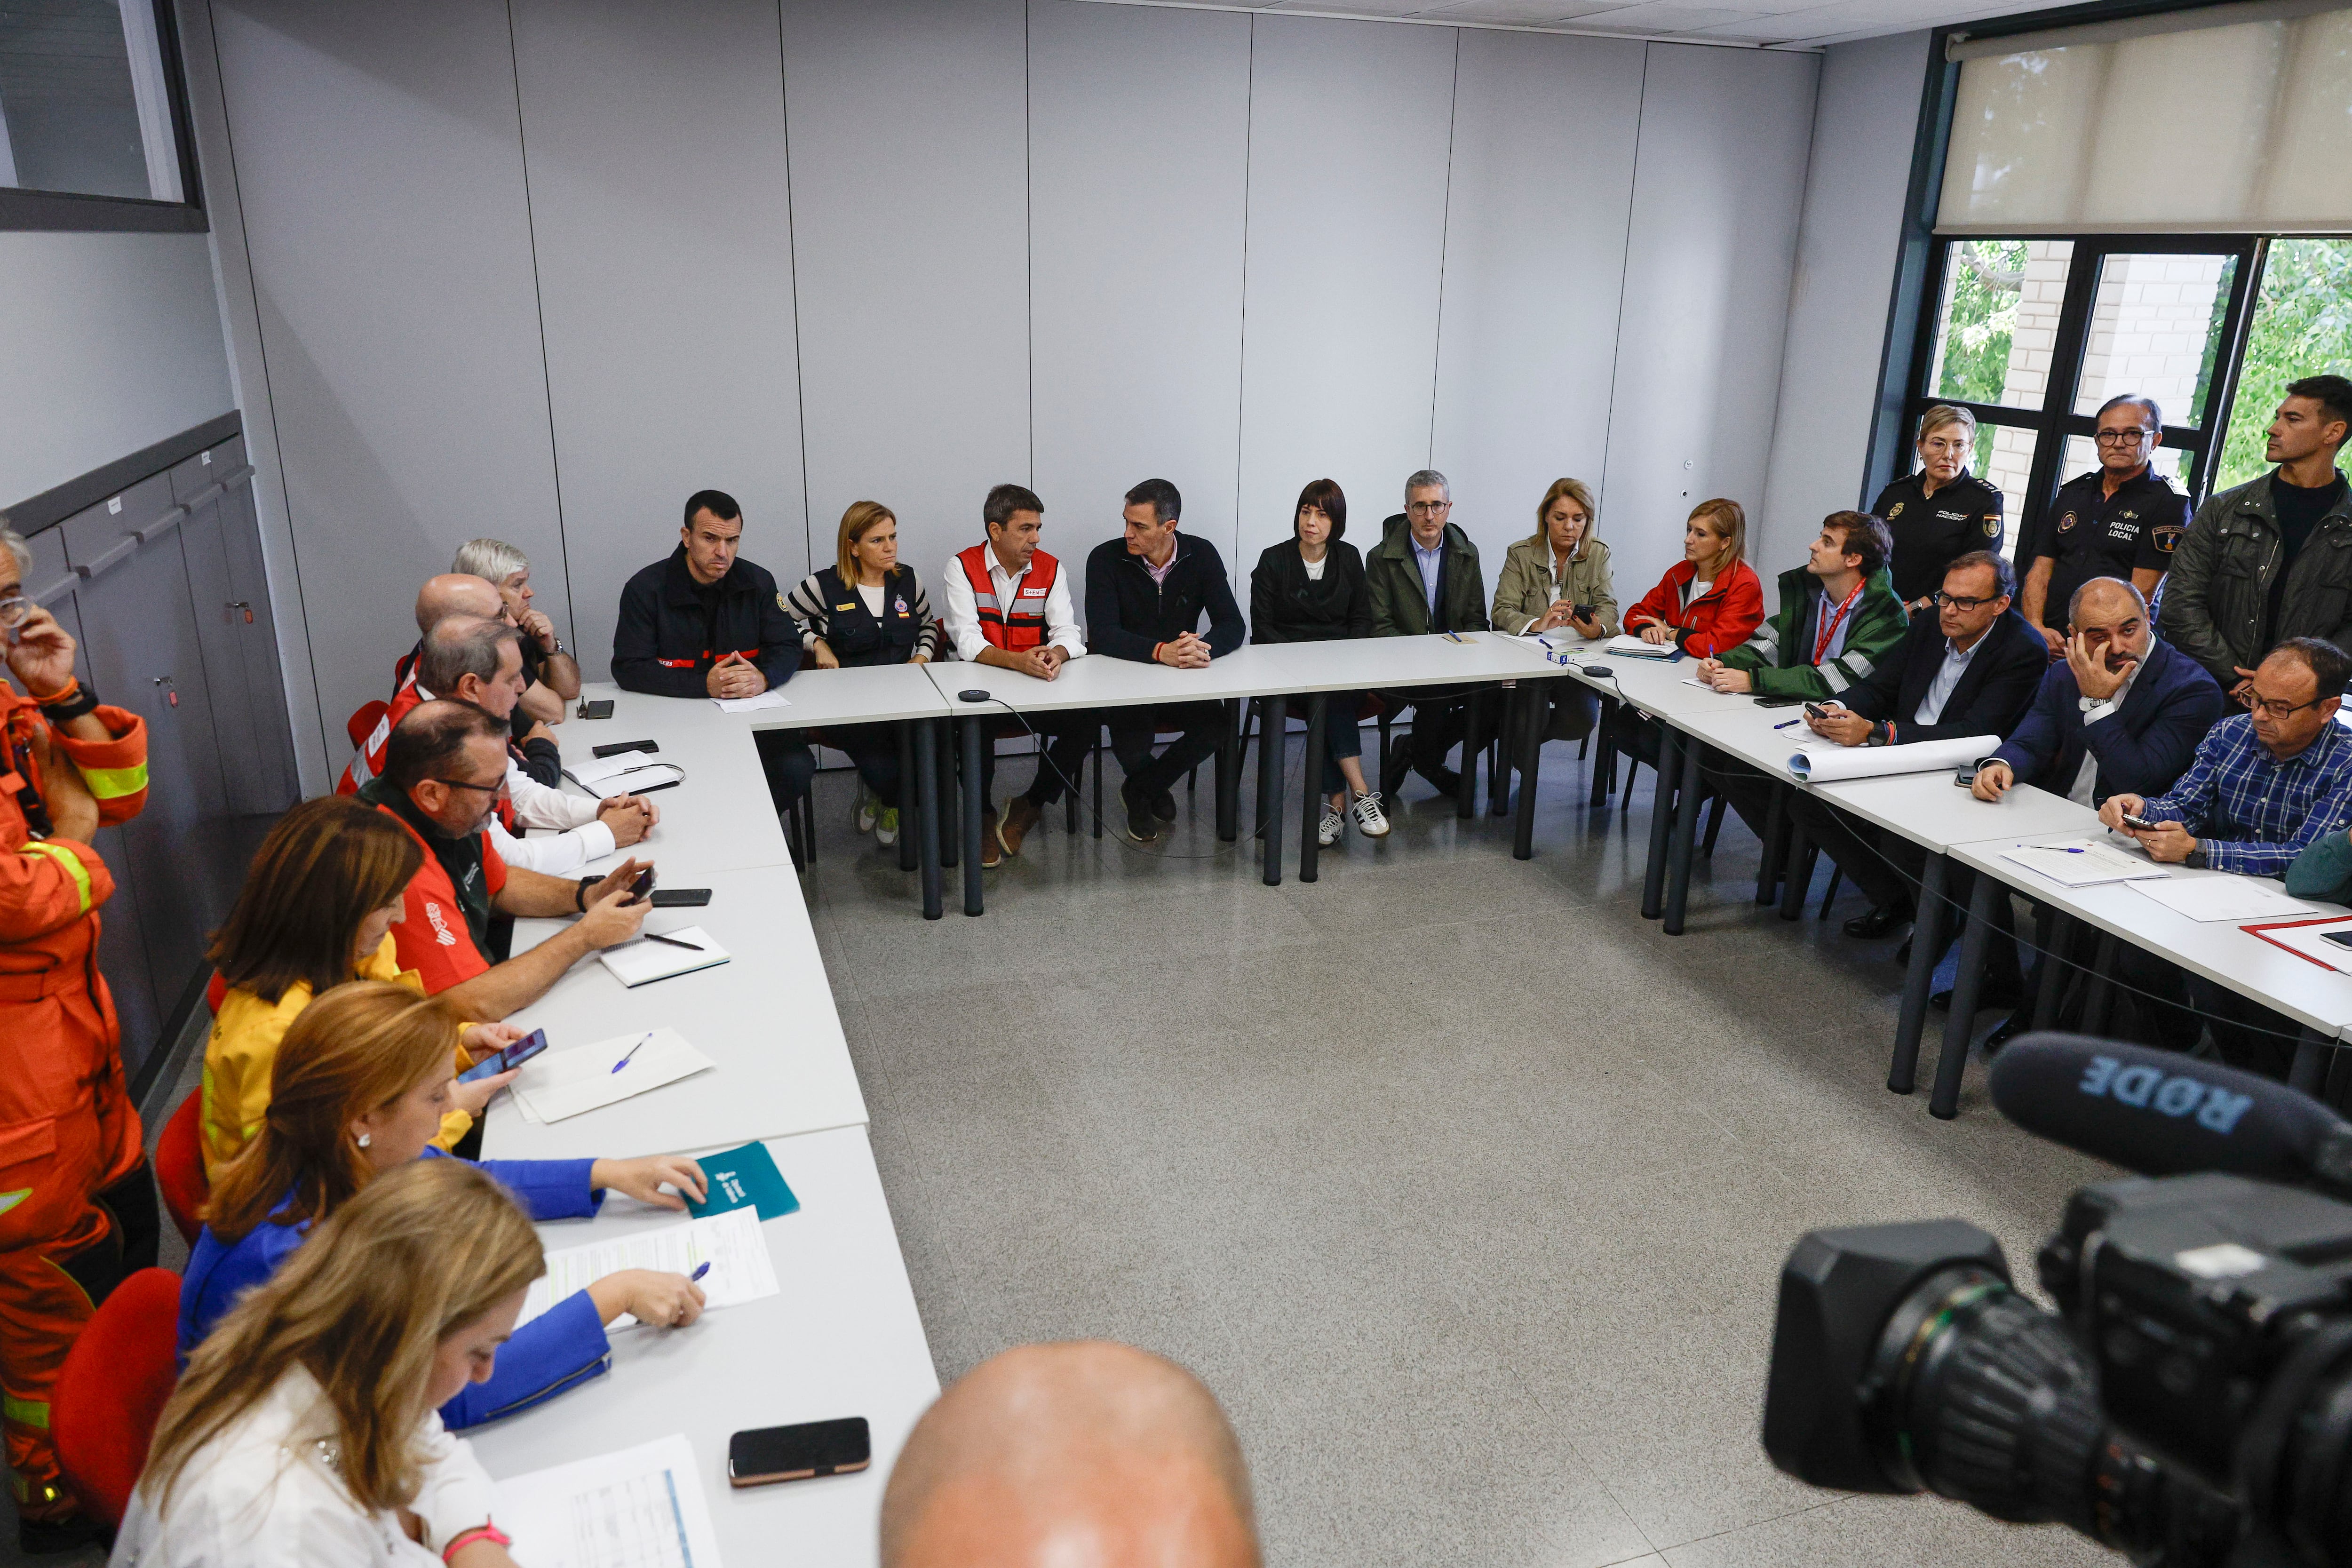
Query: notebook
(2082, 862)
(556, 1084)
(642, 962)
(744, 1178)
(1630, 647)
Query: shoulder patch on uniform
(1894, 512)
(780, 602)
(2066, 523)
(1992, 527)
(2167, 534)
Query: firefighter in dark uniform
(704, 622)
(2120, 520)
(1940, 512)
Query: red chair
(180, 1167)
(112, 1391)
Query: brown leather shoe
(992, 853)
(1021, 815)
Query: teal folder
(744, 1178)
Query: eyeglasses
(1959, 600)
(2272, 708)
(1427, 507)
(497, 788)
(2131, 437)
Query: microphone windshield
(2159, 1113)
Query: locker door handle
(160, 526)
(241, 474)
(54, 591)
(203, 496)
(113, 558)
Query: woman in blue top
(359, 1085)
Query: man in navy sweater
(1145, 596)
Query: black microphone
(2160, 1113)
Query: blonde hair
(363, 1306)
(359, 1046)
(1728, 522)
(1941, 414)
(856, 524)
(1581, 493)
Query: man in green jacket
(2271, 559)
(1839, 616)
(1422, 577)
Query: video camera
(2190, 1402)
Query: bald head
(1085, 1454)
(456, 593)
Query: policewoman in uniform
(707, 622)
(1940, 512)
(866, 609)
(76, 1205)
(2120, 520)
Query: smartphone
(1815, 710)
(617, 747)
(2142, 823)
(643, 885)
(1777, 701)
(1582, 612)
(797, 1452)
(680, 897)
(2340, 938)
(514, 1056)
(599, 709)
(1965, 775)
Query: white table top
(1657, 685)
(1255, 670)
(766, 1016)
(875, 694)
(720, 817)
(1932, 811)
(2317, 997)
(841, 1338)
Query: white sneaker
(886, 826)
(1328, 833)
(865, 810)
(1370, 820)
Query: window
(2035, 335)
(2302, 326)
(90, 107)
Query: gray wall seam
(539, 308)
(1240, 357)
(1444, 234)
(1625, 264)
(799, 364)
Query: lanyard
(1829, 630)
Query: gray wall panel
(1348, 131)
(380, 168)
(658, 205)
(1541, 190)
(910, 238)
(1136, 226)
(1846, 255)
(1719, 179)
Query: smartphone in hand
(514, 1056)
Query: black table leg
(926, 826)
(1229, 774)
(1796, 872)
(2054, 933)
(1500, 759)
(1768, 864)
(971, 823)
(1959, 1025)
(1662, 827)
(1311, 821)
(1532, 712)
(944, 746)
(2310, 1061)
(2102, 989)
(905, 729)
(1604, 754)
(1273, 741)
(1927, 946)
(1465, 790)
(1678, 860)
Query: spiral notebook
(644, 961)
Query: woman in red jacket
(1711, 600)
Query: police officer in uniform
(706, 623)
(866, 608)
(2120, 520)
(1940, 512)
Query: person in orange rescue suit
(78, 1209)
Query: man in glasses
(1970, 669)
(2121, 519)
(443, 772)
(2271, 559)
(1424, 576)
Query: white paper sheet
(732, 1243)
(2085, 862)
(640, 1508)
(641, 962)
(2226, 898)
(1627, 646)
(626, 771)
(556, 1084)
(2311, 943)
(772, 697)
(1824, 762)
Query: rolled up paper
(1834, 763)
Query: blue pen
(699, 1270)
(1791, 721)
(633, 1051)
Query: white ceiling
(1776, 24)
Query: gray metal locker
(265, 780)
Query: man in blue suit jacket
(2122, 715)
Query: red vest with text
(1020, 625)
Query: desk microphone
(1599, 672)
(972, 694)
(2160, 1113)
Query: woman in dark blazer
(1311, 588)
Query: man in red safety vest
(1008, 605)
(78, 1210)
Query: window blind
(2227, 119)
